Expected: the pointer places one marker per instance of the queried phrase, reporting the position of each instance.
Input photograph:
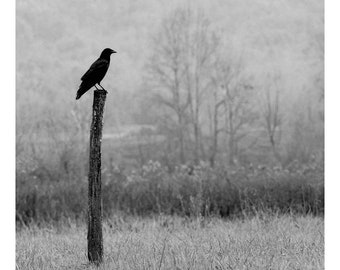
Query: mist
(228, 86)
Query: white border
(7, 155)
(332, 149)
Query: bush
(187, 190)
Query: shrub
(187, 190)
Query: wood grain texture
(95, 233)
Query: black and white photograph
(169, 134)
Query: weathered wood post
(95, 233)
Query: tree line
(210, 107)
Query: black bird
(96, 73)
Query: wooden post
(95, 233)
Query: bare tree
(167, 69)
(271, 113)
(214, 116)
(238, 112)
(202, 46)
(179, 70)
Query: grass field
(263, 242)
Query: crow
(96, 73)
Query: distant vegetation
(195, 191)
(214, 108)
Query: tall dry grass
(259, 242)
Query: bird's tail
(79, 95)
(82, 90)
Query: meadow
(193, 217)
(263, 241)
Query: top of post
(100, 92)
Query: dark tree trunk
(215, 138)
(197, 143)
(95, 233)
(181, 139)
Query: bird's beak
(112, 51)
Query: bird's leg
(102, 87)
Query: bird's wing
(98, 66)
